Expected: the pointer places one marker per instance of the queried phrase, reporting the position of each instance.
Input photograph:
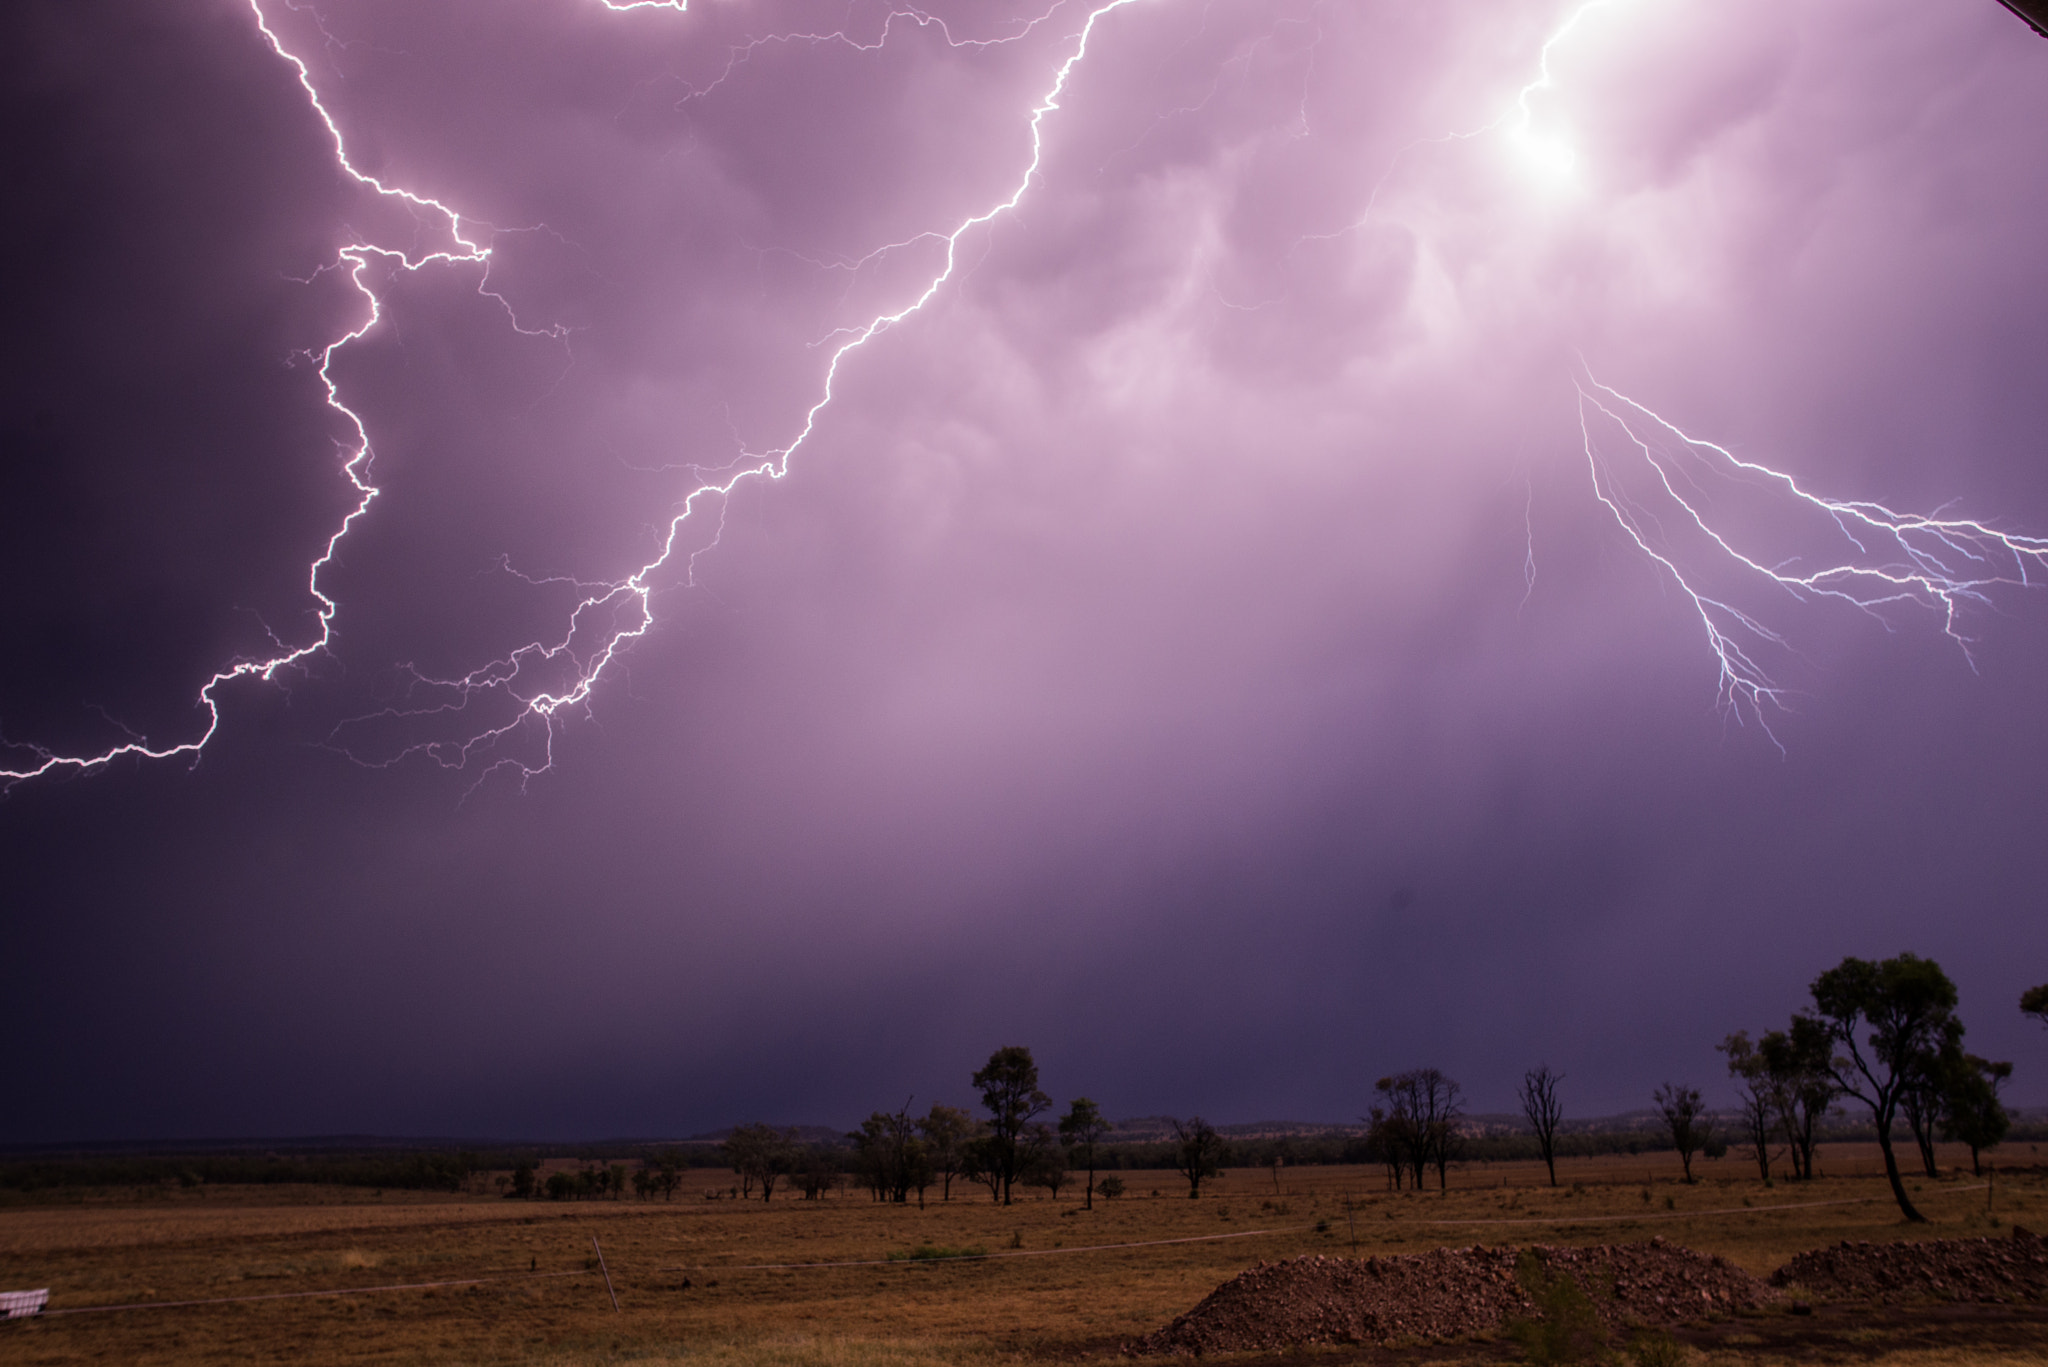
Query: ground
(722, 1281)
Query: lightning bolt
(1854, 552)
(611, 615)
(355, 260)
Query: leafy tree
(1198, 1152)
(1971, 1109)
(1761, 1102)
(815, 1171)
(1800, 1063)
(1684, 1114)
(979, 1163)
(889, 1156)
(1082, 1128)
(758, 1153)
(946, 1130)
(522, 1179)
(1541, 1106)
(1922, 1097)
(1388, 1139)
(668, 1175)
(2034, 1002)
(1048, 1167)
(1904, 1004)
(1009, 1091)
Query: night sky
(1193, 643)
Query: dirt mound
(1450, 1293)
(2014, 1269)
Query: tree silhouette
(1008, 1084)
(1541, 1106)
(1906, 1005)
(1083, 1127)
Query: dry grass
(679, 1267)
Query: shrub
(1565, 1327)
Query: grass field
(721, 1282)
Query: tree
(1082, 1128)
(1387, 1141)
(1904, 1004)
(1009, 1091)
(815, 1171)
(1048, 1168)
(1198, 1152)
(1683, 1114)
(978, 1163)
(889, 1156)
(2034, 1002)
(1420, 1118)
(1926, 1088)
(668, 1175)
(758, 1153)
(946, 1130)
(1800, 1064)
(1971, 1110)
(1278, 1155)
(1761, 1103)
(1540, 1105)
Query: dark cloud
(1140, 660)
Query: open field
(719, 1281)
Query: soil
(1980, 1270)
(1448, 1294)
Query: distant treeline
(454, 1170)
(406, 1170)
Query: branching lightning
(610, 614)
(1854, 552)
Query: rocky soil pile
(1944, 1269)
(1446, 1294)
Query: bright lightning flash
(612, 614)
(1675, 495)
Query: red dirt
(1985, 1270)
(1446, 1294)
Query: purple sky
(1192, 644)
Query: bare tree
(1082, 1128)
(1421, 1115)
(1541, 1106)
(1198, 1152)
(1684, 1114)
(1278, 1155)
